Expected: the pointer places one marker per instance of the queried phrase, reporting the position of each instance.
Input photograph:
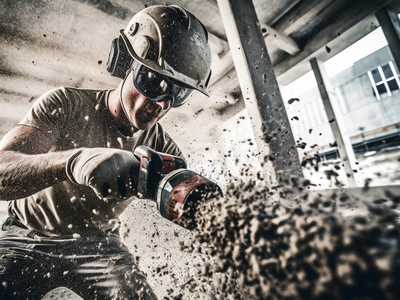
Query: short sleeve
(48, 113)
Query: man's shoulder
(76, 93)
(70, 99)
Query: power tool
(165, 179)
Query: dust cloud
(249, 245)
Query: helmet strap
(122, 101)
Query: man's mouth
(151, 114)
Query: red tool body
(177, 191)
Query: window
(317, 113)
(341, 101)
(323, 111)
(310, 115)
(304, 123)
(384, 80)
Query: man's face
(142, 112)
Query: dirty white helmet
(172, 42)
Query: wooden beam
(273, 40)
(260, 89)
(353, 14)
(229, 111)
(279, 40)
(336, 122)
(273, 10)
(306, 15)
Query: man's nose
(165, 104)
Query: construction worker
(68, 170)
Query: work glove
(111, 173)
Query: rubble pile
(260, 249)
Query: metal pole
(260, 89)
(336, 122)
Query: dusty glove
(111, 173)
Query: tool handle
(153, 166)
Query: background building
(369, 100)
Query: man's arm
(26, 166)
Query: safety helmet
(169, 40)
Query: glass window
(393, 85)
(341, 100)
(376, 76)
(387, 71)
(322, 109)
(304, 122)
(381, 89)
(310, 115)
(384, 80)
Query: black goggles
(158, 87)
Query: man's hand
(111, 173)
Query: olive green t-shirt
(75, 118)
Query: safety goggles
(158, 87)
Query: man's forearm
(22, 175)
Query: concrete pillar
(336, 122)
(390, 24)
(260, 89)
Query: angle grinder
(165, 179)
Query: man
(68, 170)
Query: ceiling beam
(391, 28)
(355, 13)
(307, 15)
(268, 12)
(273, 39)
(279, 40)
(110, 8)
